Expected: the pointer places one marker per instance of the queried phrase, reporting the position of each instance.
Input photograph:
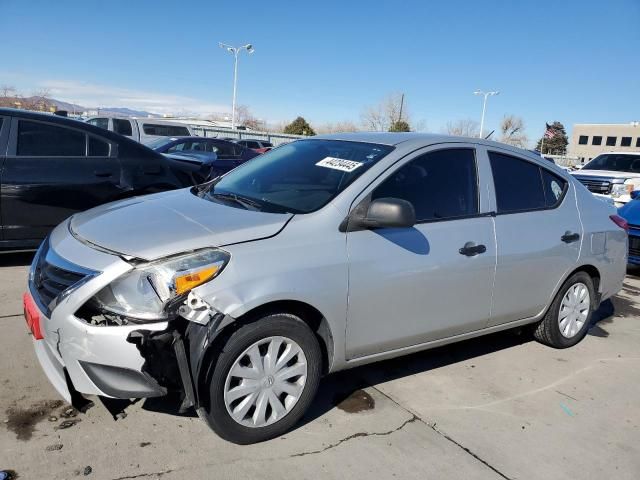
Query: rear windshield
(616, 162)
(299, 177)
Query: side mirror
(388, 213)
(635, 194)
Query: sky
(575, 61)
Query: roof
(393, 138)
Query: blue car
(630, 211)
(221, 155)
(203, 147)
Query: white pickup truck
(612, 174)
(143, 130)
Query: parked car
(615, 174)
(143, 130)
(54, 166)
(324, 254)
(204, 148)
(260, 146)
(630, 211)
(220, 156)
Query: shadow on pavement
(346, 385)
(16, 259)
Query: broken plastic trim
(174, 357)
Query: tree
(554, 141)
(299, 127)
(246, 118)
(463, 128)
(382, 116)
(512, 130)
(399, 126)
(344, 126)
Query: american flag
(549, 132)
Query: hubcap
(265, 382)
(574, 310)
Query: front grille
(49, 280)
(634, 246)
(594, 185)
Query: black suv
(52, 167)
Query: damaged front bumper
(114, 361)
(175, 356)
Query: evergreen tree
(557, 144)
(299, 127)
(399, 126)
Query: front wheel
(264, 379)
(569, 316)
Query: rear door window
(440, 185)
(46, 140)
(122, 126)
(519, 184)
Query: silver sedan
(321, 255)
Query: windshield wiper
(245, 202)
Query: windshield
(159, 143)
(299, 177)
(617, 162)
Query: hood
(155, 226)
(605, 174)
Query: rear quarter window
(165, 130)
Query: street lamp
(484, 105)
(235, 51)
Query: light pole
(235, 51)
(484, 105)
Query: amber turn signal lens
(186, 282)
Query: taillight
(619, 221)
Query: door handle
(470, 249)
(152, 171)
(103, 173)
(569, 237)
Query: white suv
(612, 174)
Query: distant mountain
(73, 107)
(127, 112)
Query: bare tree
(344, 126)
(7, 91)
(246, 118)
(463, 128)
(382, 116)
(512, 131)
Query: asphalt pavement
(497, 407)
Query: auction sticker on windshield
(339, 164)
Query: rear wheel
(264, 379)
(568, 318)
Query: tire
(239, 354)
(550, 332)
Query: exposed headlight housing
(147, 292)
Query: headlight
(145, 292)
(620, 189)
